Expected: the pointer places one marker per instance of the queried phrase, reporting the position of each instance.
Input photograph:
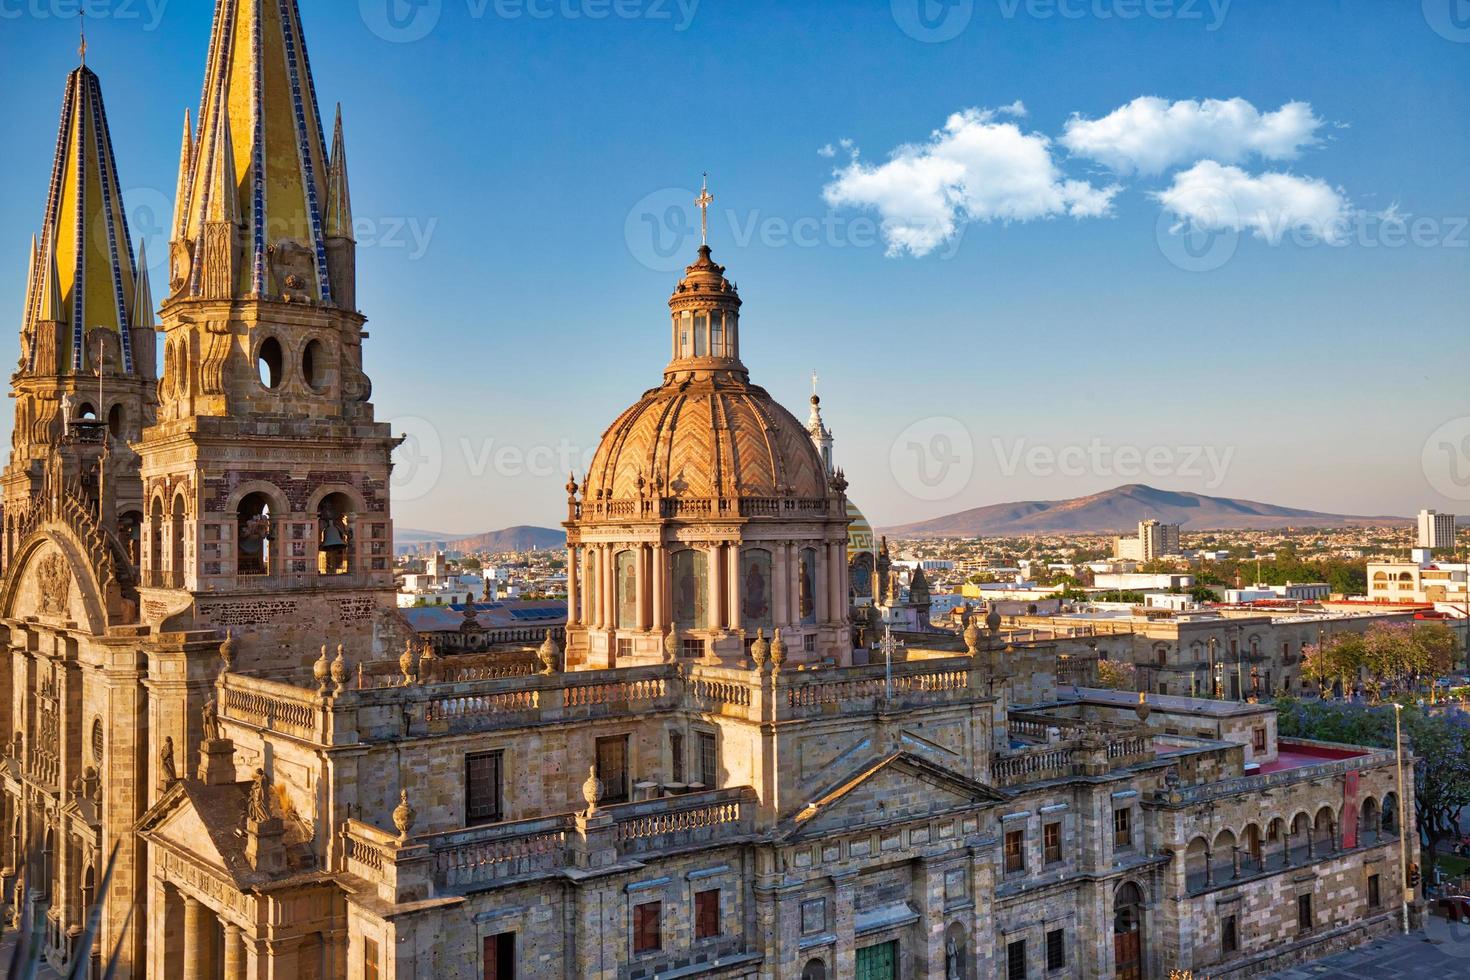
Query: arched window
(814, 970)
(314, 365)
(117, 421)
(807, 586)
(1390, 813)
(334, 535)
(755, 590)
(255, 534)
(176, 542)
(625, 574)
(269, 361)
(155, 540)
(691, 589)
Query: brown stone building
(704, 784)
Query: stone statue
(209, 715)
(258, 810)
(953, 970)
(168, 772)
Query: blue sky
(510, 170)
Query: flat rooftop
(1291, 755)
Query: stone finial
(403, 816)
(671, 646)
(972, 636)
(320, 670)
(778, 651)
(1142, 709)
(548, 653)
(760, 650)
(339, 668)
(592, 790)
(227, 650)
(405, 663)
(993, 620)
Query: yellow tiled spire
(82, 273)
(259, 124)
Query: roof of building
(490, 615)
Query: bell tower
(85, 385)
(266, 476)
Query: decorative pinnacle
(703, 202)
(82, 30)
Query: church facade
(210, 690)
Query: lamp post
(888, 646)
(1408, 891)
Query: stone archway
(1129, 950)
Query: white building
(1154, 540)
(1143, 581)
(1436, 530)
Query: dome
(706, 437)
(707, 433)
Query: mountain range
(1120, 510)
(521, 538)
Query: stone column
(1235, 860)
(716, 579)
(1209, 868)
(574, 598)
(837, 579)
(661, 619)
(610, 588)
(234, 953)
(735, 617)
(843, 924)
(1311, 842)
(781, 578)
(822, 583)
(198, 938)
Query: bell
(332, 539)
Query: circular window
(268, 363)
(314, 365)
(97, 742)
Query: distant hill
(509, 539)
(1120, 510)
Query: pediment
(176, 822)
(890, 789)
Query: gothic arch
(95, 602)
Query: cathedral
(222, 736)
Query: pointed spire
(339, 195)
(143, 318)
(50, 307)
(181, 197)
(222, 202)
(31, 284)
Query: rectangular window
(1015, 851)
(707, 914)
(1122, 829)
(372, 969)
(1229, 936)
(482, 777)
(1304, 913)
(686, 349)
(500, 957)
(676, 757)
(1375, 896)
(1052, 842)
(701, 334)
(813, 916)
(809, 643)
(647, 928)
(1016, 960)
(625, 647)
(612, 768)
(717, 335)
(709, 760)
(1056, 950)
(691, 649)
(1258, 739)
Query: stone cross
(703, 202)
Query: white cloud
(827, 151)
(1212, 196)
(1150, 135)
(974, 169)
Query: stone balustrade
(1069, 757)
(659, 826)
(382, 709)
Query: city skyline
(1072, 277)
